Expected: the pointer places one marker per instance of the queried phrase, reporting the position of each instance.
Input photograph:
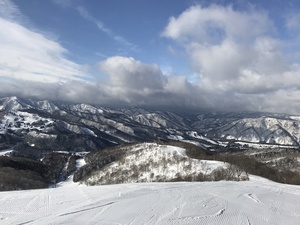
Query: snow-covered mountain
(58, 126)
(251, 128)
(151, 162)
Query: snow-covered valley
(254, 202)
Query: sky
(192, 55)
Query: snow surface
(257, 201)
(175, 137)
(194, 134)
(5, 152)
(210, 144)
(80, 163)
(16, 120)
(264, 146)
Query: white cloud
(131, 82)
(237, 55)
(124, 81)
(128, 73)
(9, 11)
(137, 83)
(29, 55)
(212, 24)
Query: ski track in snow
(257, 201)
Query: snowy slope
(151, 162)
(252, 202)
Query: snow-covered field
(257, 201)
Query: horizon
(180, 112)
(196, 55)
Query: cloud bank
(238, 57)
(238, 53)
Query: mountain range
(57, 126)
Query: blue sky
(174, 54)
(129, 28)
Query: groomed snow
(257, 201)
